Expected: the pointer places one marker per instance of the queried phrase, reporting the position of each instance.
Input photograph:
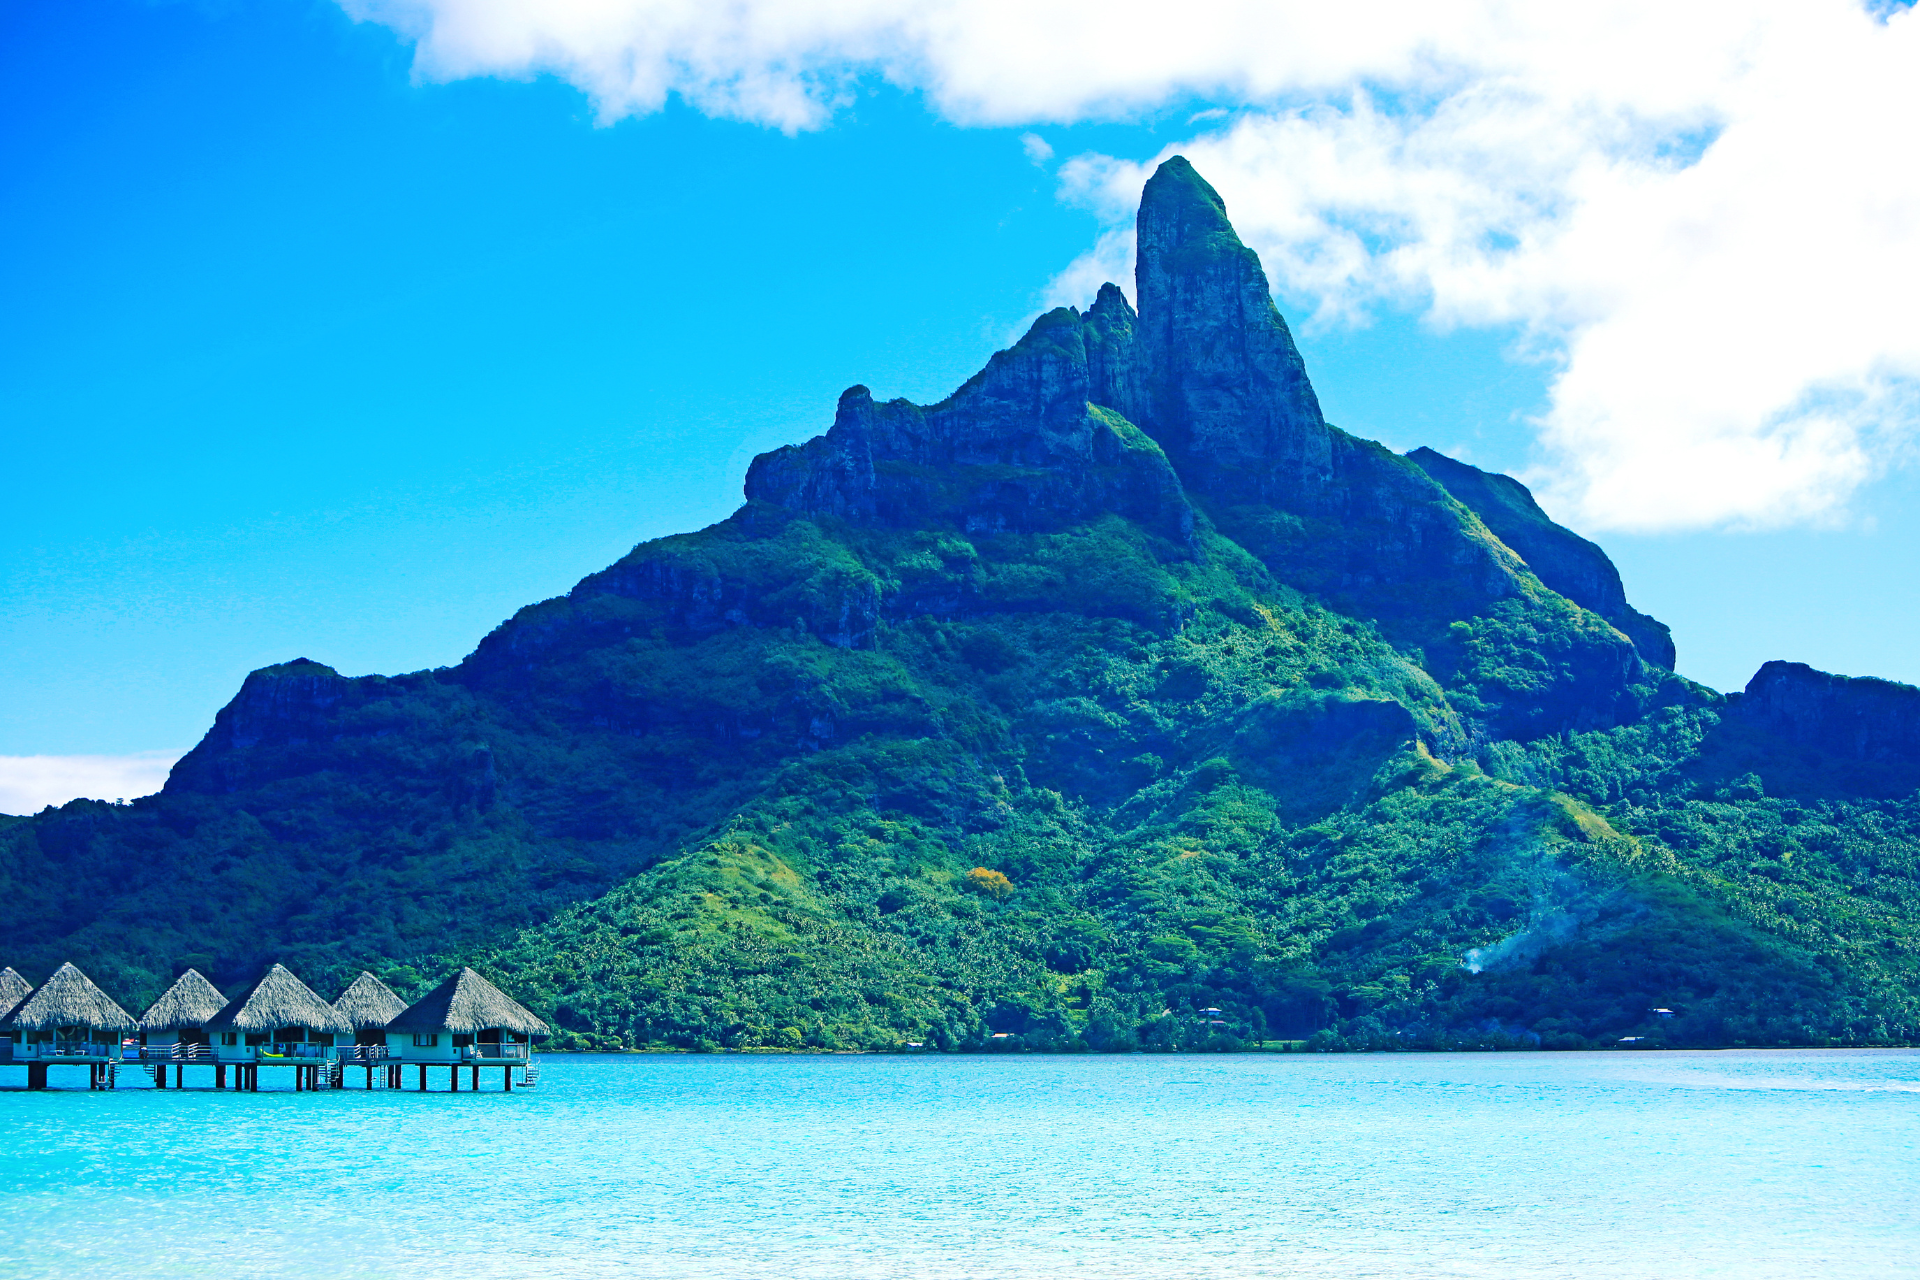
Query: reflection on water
(1540, 1165)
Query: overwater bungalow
(466, 1021)
(68, 1022)
(368, 1004)
(276, 1021)
(174, 1031)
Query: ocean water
(1641, 1165)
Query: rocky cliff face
(1022, 446)
(1855, 718)
(1201, 402)
(1225, 388)
(1191, 419)
(289, 704)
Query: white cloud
(29, 784)
(1707, 214)
(1038, 149)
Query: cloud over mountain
(30, 783)
(1703, 214)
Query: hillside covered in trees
(1116, 701)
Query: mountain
(1115, 688)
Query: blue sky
(306, 354)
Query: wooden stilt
(453, 1078)
(506, 1079)
(179, 1075)
(36, 1075)
(476, 1077)
(423, 1077)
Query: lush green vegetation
(1115, 702)
(1125, 782)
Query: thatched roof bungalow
(369, 1004)
(181, 1015)
(13, 989)
(277, 1016)
(68, 1015)
(465, 1018)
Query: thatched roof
(69, 999)
(466, 1003)
(13, 989)
(189, 1002)
(278, 999)
(369, 1003)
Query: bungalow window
(463, 1042)
(426, 1039)
(229, 1037)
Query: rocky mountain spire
(1227, 392)
(1201, 397)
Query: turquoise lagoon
(1632, 1164)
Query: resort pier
(465, 1022)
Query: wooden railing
(494, 1051)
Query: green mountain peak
(1116, 686)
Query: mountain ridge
(1241, 711)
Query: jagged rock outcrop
(1853, 717)
(1020, 447)
(1199, 400)
(289, 704)
(1225, 391)
(1564, 560)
